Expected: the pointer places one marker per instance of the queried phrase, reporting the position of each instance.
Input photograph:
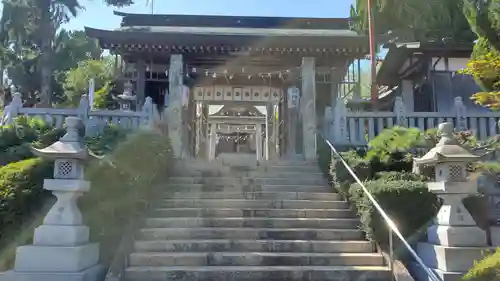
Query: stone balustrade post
(454, 241)
(148, 116)
(83, 113)
(61, 250)
(328, 123)
(340, 122)
(11, 111)
(459, 111)
(400, 112)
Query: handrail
(393, 229)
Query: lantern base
(94, 273)
(61, 235)
(451, 259)
(420, 274)
(457, 236)
(34, 258)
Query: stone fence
(359, 127)
(93, 120)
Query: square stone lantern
(61, 250)
(127, 99)
(454, 241)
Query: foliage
(20, 191)
(16, 138)
(486, 69)
(121, 187)
(415, 20)
(399, 176)
(395, 140)
(104, 143)
(488, 269)
(33, 43)
(484, 19)
(408, 203)
(77, 80)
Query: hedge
(16, 138)
(20, 190)
(408, 203)
(488, 269)
(123, 185)
(21, 194)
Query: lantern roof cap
(68, 146)
(447, 150)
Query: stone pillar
(340, 122)
(141, 80)
(454, 242)
(328, 123)
(61, 250)
(258, 142)
(308, 107)
(147, 118)
(459, 110)
(213, 141)
(175, 108)
(400, 111)
(407, 95)
(293, 95)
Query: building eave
(230, 40)
(234, 21)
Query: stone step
(246, 177)
(330, 223)
(245, 203)
(250, 233)
(249, 213)
(275, 246)
(256, 195)
(258, 273)
(255, 259)
(270, 180)
(315, 188)
(289, 168)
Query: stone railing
(93, 120)
(359, 127)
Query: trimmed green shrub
(21, 189)
(399, 176)
(341, 178)
(408, 203)
(16, 139)
(487, 269)
(123, 185)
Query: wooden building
(235, 61)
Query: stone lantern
(127, 99)
(61, 250)
(454, 241)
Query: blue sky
(97, 15)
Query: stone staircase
(272, 222)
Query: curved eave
(146, 37)
(233, 21)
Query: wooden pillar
(175, 109)
(308, 108)
(140, 82)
